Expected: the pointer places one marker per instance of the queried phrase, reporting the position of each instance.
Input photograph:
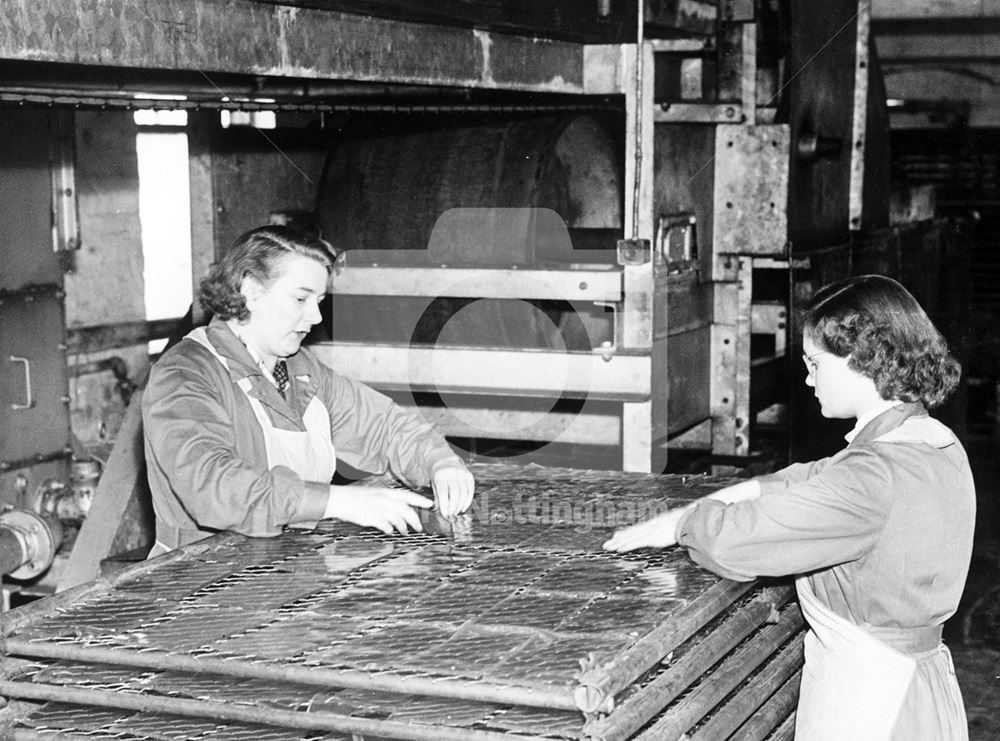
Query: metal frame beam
(540, 373)
(569, 285)
(241, 36)
(584, 427)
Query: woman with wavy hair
(878, 536)
(244, 426)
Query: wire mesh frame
(620, 724)
(604, 489)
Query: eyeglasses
(810, 363)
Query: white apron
(853, 684)
(309, 453)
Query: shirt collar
(864, 419)
(236, 330)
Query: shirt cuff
(445, 460)
(772, 483)
(681, 531)
(312, 506)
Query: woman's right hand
(379, 507)
(657, 532)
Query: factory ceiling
(344, 54)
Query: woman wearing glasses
(879, 535)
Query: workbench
(506, 625)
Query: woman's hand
(661, 531)
(658, 532)
(453, 487)
(376, 506)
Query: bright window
(165, 216)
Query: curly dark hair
(888, 336)
(256, 253)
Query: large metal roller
(387, 192)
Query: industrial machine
(659, 176)
(739, 154)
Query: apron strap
(908, 640)
(904, 640)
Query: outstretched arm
(661, 531)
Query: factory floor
(973, 634)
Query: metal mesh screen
(520, 597)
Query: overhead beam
(934, 9)
(939, 47)
(561, 19)
(572, 20)
(241, 36)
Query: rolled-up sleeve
(809, 519)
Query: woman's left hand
(453, 487)
(658, 532)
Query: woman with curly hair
(244, 426)
(879, 536)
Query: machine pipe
(637, 133)
(11, 553)
(318, 721)
(812, 147)
(127, 102)
(34, 460)
(345, 678)
(29, 542)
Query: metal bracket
(609, 348)
(66, 221)
(676, 240)
(35, 460)
(633, 252)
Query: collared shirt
(871, 414)
(268, 373)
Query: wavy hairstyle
(256, 253)
(887, 335)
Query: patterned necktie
(281, 377)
